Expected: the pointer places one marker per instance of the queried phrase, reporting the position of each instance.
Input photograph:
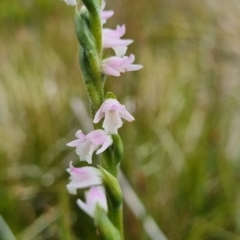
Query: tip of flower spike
(110, 95)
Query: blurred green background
(181, 154)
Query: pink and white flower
(83, 177)
(117, 65)
(112, 39)
(71, 2)
(87, 144)
(95, 196)
(113, 111)
(105, 14)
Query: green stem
(93, 82)
(94, 9)
(116, 217)
(89, 33)
(108, 162)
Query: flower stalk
(103, 201)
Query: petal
(70, 167)
(83, 177)
(107, 70)
(97, 137)
(110, 104)
(97, 195)
(83, 173)
(99, 140)
(121, 30)
(121, 108)
(109, 42)
(71, 189)
(114, 61)
(119, 64)
(74, 143)
(108, 142)
(99, 115)
(79, 134)
(106, 15)
(134, 67)
(114, 33)
(129, 60)
(126, 115)
(73, 186)
(87, 209)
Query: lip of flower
(113, 112)
(87, 144)
(95, 196)
(117, 65)
(83, 177)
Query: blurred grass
(181, 154)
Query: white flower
(95, 196)
(112, 39)
(105, 14)
(117, 65)
(113, 111)
(87, 144)
(83, 177)
(71, 2)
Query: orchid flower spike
(71, 2)
(83, 177)
(87, 144)
(117, 65)
(113, 111)
(95, 196)
(105, 14)
(111, 39)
